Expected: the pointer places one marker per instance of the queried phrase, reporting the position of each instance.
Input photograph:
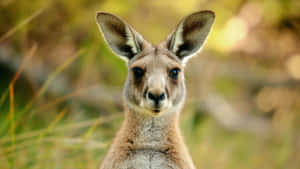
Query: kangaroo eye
(138, 72)
(174, 73)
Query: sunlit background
(60, 85)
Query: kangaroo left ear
(190, 34)
(120, 36)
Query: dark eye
(138, 72)
(174, 73)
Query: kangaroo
(154, 92)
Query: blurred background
(60, 85)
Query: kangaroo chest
(147, 144)
(150, 148)
(148, 159)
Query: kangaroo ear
(122, 39)
(190, 34)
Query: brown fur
(128, 141)
(150, 137)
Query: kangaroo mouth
(156, 111)
(157, 108)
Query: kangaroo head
(155, 82)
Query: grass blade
(22, 24)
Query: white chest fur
(148, 143)
(148, 159)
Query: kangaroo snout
(156, 97)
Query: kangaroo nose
(156, 97)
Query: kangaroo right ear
(190, 35)
(122, 39)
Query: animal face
(155, 81)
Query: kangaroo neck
(148, 132)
